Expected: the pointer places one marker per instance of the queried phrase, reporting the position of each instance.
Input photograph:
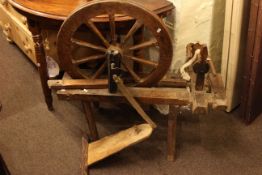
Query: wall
(201, 21)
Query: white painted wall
(201, 21)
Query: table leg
(171, 133)
(89, 113)
(41, 61)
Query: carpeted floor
(34, 141)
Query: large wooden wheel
(106, 20)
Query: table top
(60, 9)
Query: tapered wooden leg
(41, 61)
(84, 168)
(171, 134)
(90, 120)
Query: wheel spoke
(89, 45)
(89, 58)
(100, 70)
(143, 45)
(133, 29)
(142, 61)
(112, 27)
(131, 71)
(93, 27)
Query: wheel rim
(140, 17)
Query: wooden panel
(251, 102)
(236, 19)
(15, 14)
(16, 31)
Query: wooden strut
(83, 166)
(132, 101)
(90, 120)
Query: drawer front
(16, 31)
(14, 13)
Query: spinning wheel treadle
(113, 38)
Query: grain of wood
(130, 98)
(18, 31)
(77, 84)
(83, 167)
(173, 96)
(114, 143)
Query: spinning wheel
(114, 24)
(105, 20)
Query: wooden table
(46, 14)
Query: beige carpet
(34, 141)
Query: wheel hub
(115, 49)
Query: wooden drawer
(16, 30)
(14, 13)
